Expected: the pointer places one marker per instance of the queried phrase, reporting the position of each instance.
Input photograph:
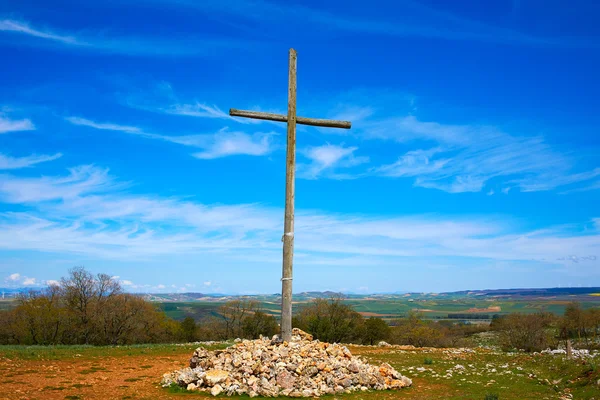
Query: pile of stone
(270, 368)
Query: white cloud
(415, 163)
(550, 181)
(162, 99)
(103, 126)
(93, 215)
(7, 162)
(325, 159)
(126, 282)
(161, 286)
(403, 129)
(226, 143)
(8, 125)
(592, 186)
(100, 42)
(207, 283)
(14, 277)
(81, 180)
(464, 158)
(52, 282)
(17, 279)
(24, 28)
(28, 281)
(195, 110)
(353, 114)
(221, 144)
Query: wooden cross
(288, 226)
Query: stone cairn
(271, 368)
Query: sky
(472, 162)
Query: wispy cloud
(134, 46)
(326, 159)
(7, 162)
(163, 99)
(105, 126)
(415, 19)
(8, 125)
(82, 180)
(88, 212)
(227, 143)
(467, 158)
(221, 144)
(592, 186)
(195, 110)
(8, 25)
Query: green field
(389, 309)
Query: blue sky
(472, 161)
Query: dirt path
(125, 377)
(134, 377)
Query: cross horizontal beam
(330, 123)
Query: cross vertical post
(288, 226)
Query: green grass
(74, 352)
(92, 370)
(509, 376)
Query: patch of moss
(92, 370)
(54, 388)
(80, 385)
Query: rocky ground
(271, 368)
(134, 372)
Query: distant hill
(574, 293)
(541, 293)
(530, 292)
(12, 292)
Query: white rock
(216, 390)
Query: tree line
(542, 330)
(85, 309)
(93, 309)
(329, 320)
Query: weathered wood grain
(328, 123)
(288, 225)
